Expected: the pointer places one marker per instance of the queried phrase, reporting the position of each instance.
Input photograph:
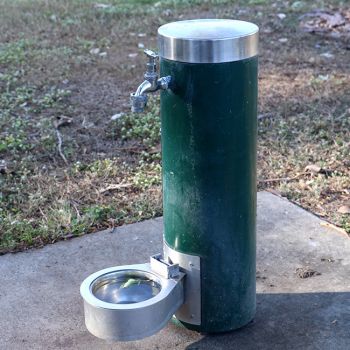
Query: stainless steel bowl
(126, 287)
(129, 302)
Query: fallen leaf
(330, 259)
(130, 282)
(327, 55)
(155, 149)
(167, 12)
(306, 272)
(297, 5)
(53, 18)
(333, 20)
(3, 166)
(336, 228)
(344, 209)
(95, 51)
(117, 116)
(313, 168)
(334, 24)
(323, 77)
(102, 6)
(62, 120)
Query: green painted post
(209, 118)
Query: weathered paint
(209, 182)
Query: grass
(71, 60)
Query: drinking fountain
(206, 273)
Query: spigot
(138, 103)
(151, 83)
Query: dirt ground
(74, 160)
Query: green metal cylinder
(209, 132)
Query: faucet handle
(151, 72)
(150, 54)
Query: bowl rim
(166, 285)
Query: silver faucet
(151, 83)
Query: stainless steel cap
(208, 40)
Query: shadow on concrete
(290, 321)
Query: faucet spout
(151, 83)
(144, 87)
(139, 98)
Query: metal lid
(208, 40)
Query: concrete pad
(41, 308)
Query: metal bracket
(190, 311)
(163, 268)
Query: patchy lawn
(73, 160)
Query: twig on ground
(43, 214)
(132, 149)
(279, 179)
(114, 187)
(59, 146)
(61, 121)
(72, 202)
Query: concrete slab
(41, 308)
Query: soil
(303, 79)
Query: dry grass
(50, 67)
